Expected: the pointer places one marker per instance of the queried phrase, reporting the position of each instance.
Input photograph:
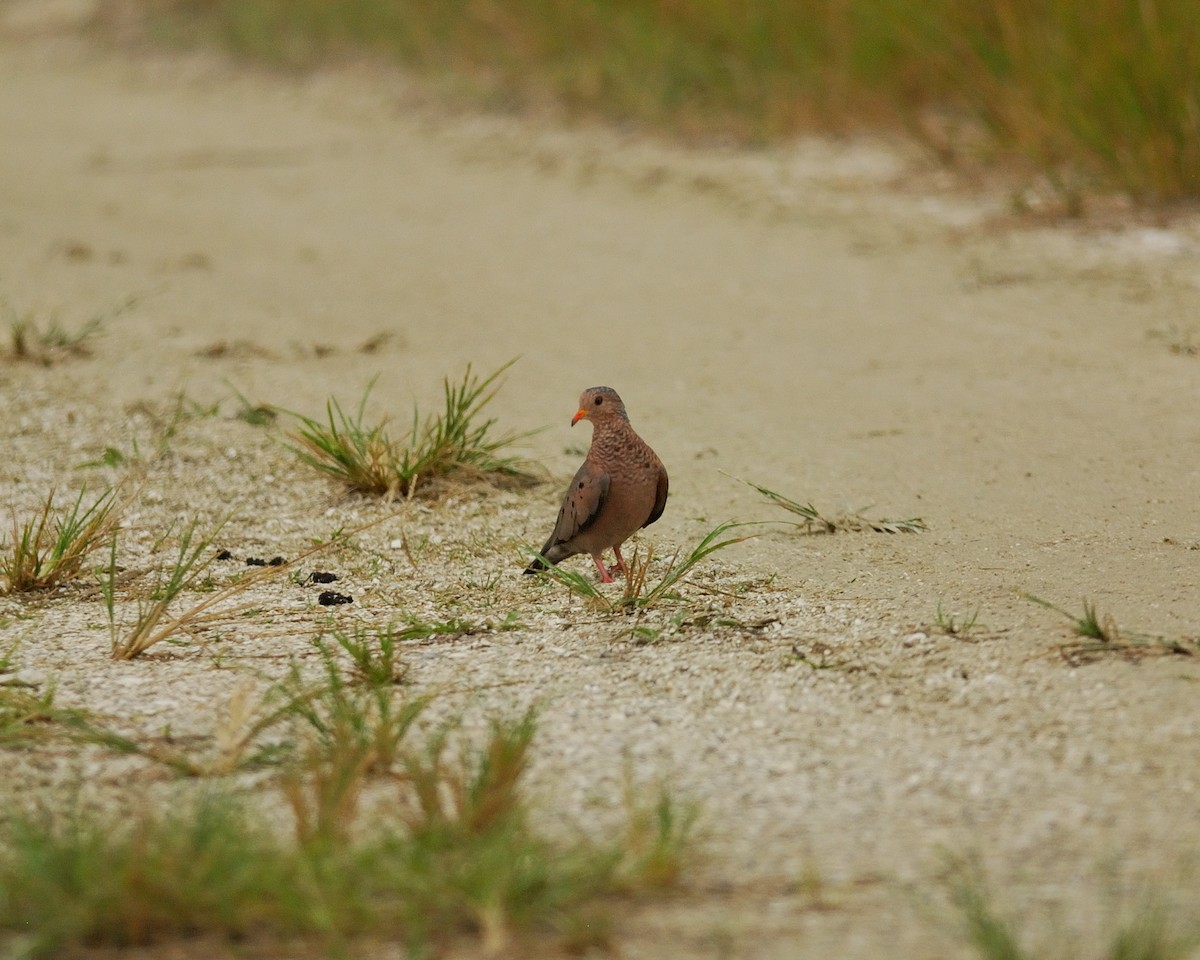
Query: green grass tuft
(52, 547)
(641, 592)
(456, 445)
(1102, 637)
(28, 715)
(30, 342)
(1145, 929)
(1090, 91)
(1090, 624)
(151, 623)
(993, 936)
(86, 877)
(452, 852)
(956, 624)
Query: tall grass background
(1092, 93)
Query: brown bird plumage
(621, 487)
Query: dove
(621, 487)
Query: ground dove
(621, 487)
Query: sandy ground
(822, 319)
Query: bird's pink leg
(621, 562)
(605, 576)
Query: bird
(620, 488)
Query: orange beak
(579, 415)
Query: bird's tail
(552, 552)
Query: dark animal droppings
(331, 598)
(320, 576)
(255, 562)
(276, 562)
(224, 555)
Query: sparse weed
(819, 658)
(8, 657)
(956, 624)
(164, 421)
(454, 853)
(28, 715)
(1152, 932)
(51, 548)
(84, 876)
(255, 414)
(993, 936)
(374, 656)
(457, 444)
(1089, 625)
(640, 592)
(194, 556)
(361, 458)
(1143, 931)
(661, 837)
(1181, 340)
(1102, 637)
(343, 713)
(417, 629)
(347, 728)
(812, 521)
(236, 742)
(366, 706)
(151, 624)
(468, 793)
(472, 841)
(31, 343)
(1085, 92)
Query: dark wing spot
(580, 484)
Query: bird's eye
(599, 400)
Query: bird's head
(599, 404)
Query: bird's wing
(583, 502)
(660, 496)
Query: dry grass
(457, 445)
(1149, 927)
(152, 623)
(641, 590)
(1101, 92)
(51, 548)
(450, 851)
(1101, 637)
(453, 852)
(30, 341)
(812, 521)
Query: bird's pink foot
(605, 576)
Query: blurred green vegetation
(1094, 93)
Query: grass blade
(457, 445)
(52, 547)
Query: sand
(833, 320)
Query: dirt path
(806, 319)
